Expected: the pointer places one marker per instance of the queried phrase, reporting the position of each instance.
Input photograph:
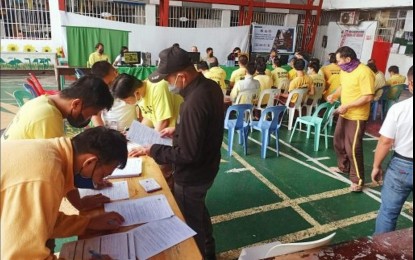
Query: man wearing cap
(197, 140)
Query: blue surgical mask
(82, 182)
(173, 88)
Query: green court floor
(290, 198)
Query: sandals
(356, 188)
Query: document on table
(144, 135)
(118, 191)
(142, 242)
(155, 237)
(132, 168)
(139, 211)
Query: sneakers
(356, 188)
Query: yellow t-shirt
(159, 104)
(329, 70)
(38, 118)
(380, 82)
(95, 56)
(300, 82)
(318, 83)
(292, 74)
(393, 81)
(333, 84)
(278, 74)
(358, 83)
(218, 75)
(237, 75)
(265, 82)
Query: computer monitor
(194, 57)
(132, 57)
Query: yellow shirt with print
(292, 74)
(394, 80)
(333, 84)
(318, 82)
(159, 103)
(237, 75)
(39, 118)
(95, 57)
(360, 82)
(278, 74)
(265, 82)
(300, 82)
(329, 70)
(218, 75)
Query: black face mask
(83, 183)
(79, 121)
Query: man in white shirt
(396, 131)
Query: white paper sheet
(133, 168)
(144, 135)
(155, 237)
(142, 210)
(118, 191)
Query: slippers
(356, 188)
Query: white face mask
(173, 88)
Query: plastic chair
(393, 96)
(380, 101)
(247, 96)
(22, 96)
(283, 85)
(267, 127)
(79, 73)
(240, 124)
(270, 93)
(30, 89)
(34, 82)
(318, 94)
(297, 106)
(277, 248)
(316, 122)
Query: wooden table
(61, 71)
(393, 245)
(186, 250)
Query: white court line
(320, 158)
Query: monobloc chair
(267, 127)
(34, 82)
(301, 92)
(316, 122)
(30, 89)
(318, 94)
(247, 96)
(240, 124)
(380, 102)
(277, 248)
(22, 96)
(79, 73)
(283, 85)
(270, 94)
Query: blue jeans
(397, 186)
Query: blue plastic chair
(240, 124)
(22, 96)
(316, 122)
(79, 73)
(30, 89)
(267, 127)
(380, 102)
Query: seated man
(331, 68)
(380, 80)
(36, 175)
(278, 74)
(394, 80)
(249, 83)
(264, 80)
(217, 74)
(98, 55)
(318, 79)
(239, 73)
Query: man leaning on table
(35, 178)
(197, 139)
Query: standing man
(98, 55)
(397, 131)
(356, 92)
(197, 141)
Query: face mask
(78, 122)
(351, 66)
(101, 51)
(173, 88)
(84, 182)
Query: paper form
(117, 246)
(131, 169)
(139, 211)
(144, 135)
(155, 237)
(118, 191)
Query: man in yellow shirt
(36, 175)
(394, 80)
(264, 80)
(239, 73)
(356, 92)
(380, 80)
(248, 83)
(332, 85)
(217, 74)
(98, 55)
(330, 69)
(278, 74)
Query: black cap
(172, 59)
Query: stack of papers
(132, 169)
(118, 191)
(144, 135)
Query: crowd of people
(183, 102)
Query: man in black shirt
(197, 140)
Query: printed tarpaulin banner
(270, 37)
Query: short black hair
(101, 68)
(213, 62)
(333, 58)
(260, 59)
(176, 45)
(236, 49)
(243, 60)
(125, 85)
(277, 62)
(299, 64)
(109, 145)
(373, 67)
(347, 52)
(99, 44)
(209, 49)
(251, 68)
(261, 67)
(315, 60)
(202, 65)
(92, 90)
(123, 48)
(411, 73)
(315, 66)
(394, 69)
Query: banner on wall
(353, 39)
(268, 37)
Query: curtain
(82, 41)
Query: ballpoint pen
(95, 254)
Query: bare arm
(335, 96)
(161, 125)
(382, 150)
(357, 103)
(97, 120)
